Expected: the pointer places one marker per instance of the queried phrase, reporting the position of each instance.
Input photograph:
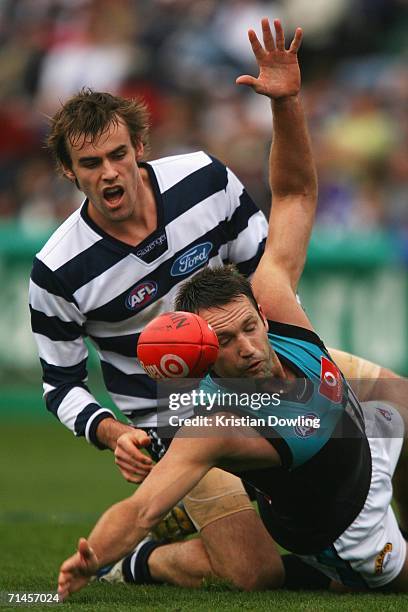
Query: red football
(176, 345)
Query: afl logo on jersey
(191, 259)
(141, 295)
(331, 384)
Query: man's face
(107, 173)
(244, 347)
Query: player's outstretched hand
(76, 571)
(279, 74)
(133, 464)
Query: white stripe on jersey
(91, 420)
(210, 212)
(191, 162)
(129, 403)
(144, 422)
(61, 353)
(73, 403)
(108, 285)
(47, 388)
(243, 250)
(72, 238)
(54, 305)
(127, 365)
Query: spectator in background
(98, 55)
(170, 51)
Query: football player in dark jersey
(343, 469)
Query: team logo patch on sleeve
(331, 384)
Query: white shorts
(371, 551)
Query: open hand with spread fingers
(279, 74)
(76, 572)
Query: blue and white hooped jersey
(325, 471)
(85, 283)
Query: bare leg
(241, 550)
(233, 545)
(184, 564)
(236, 548)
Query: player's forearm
(292, 168)
(294, 196)
(117, 532)
(126, 523)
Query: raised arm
(292, 170)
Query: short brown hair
(88, 114)
(212, 287)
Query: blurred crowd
(183, 57)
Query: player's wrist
(286, 101)
(108, 430)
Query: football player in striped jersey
(143, 229)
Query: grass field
(54, 486)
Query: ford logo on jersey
(191, 259)
(141, 295)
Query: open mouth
(113, 195)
